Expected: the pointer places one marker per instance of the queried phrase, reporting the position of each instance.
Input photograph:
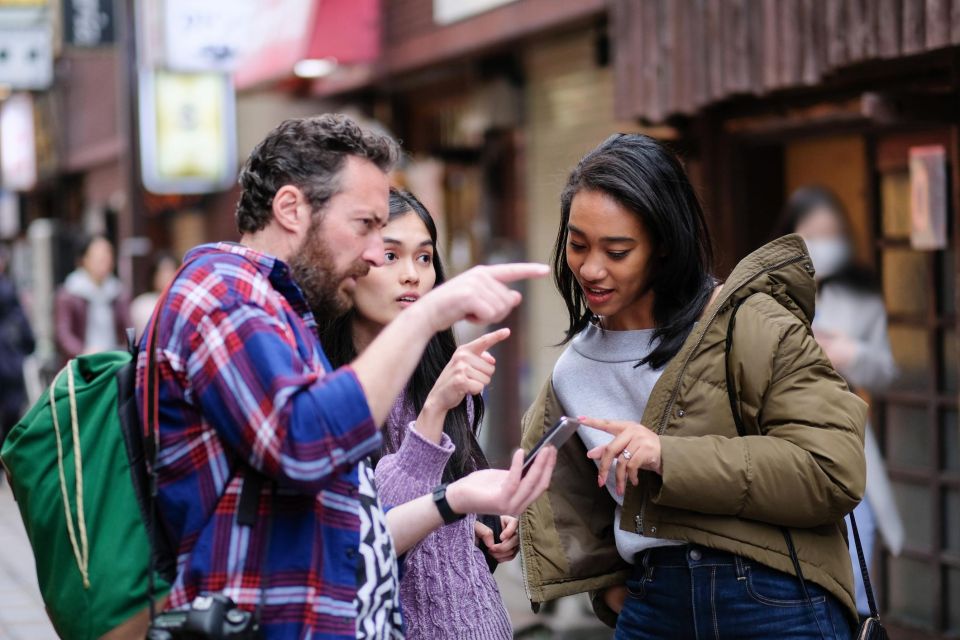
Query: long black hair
(804, 201)
(337, 340)
(647, 179)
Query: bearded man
(246, 392)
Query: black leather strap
(874, 612)
(440, 499)
(742, 431)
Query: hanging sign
(187, 132)
(928, 198)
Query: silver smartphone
(556, 436)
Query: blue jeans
(694, 592)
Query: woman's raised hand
(468, 372)
(635, 446)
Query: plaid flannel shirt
(244, 381)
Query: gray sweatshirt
(595, 376)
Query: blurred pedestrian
(447, 590)
(721, 451)
(851, 327)
(16, 343)
(162, 270)
(92, 308)
(245, 391)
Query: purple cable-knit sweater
(447, 591)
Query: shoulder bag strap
(742, 431)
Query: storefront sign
(18, 155)
(279, 41)
(26, 56)
(206, 36)
(447, 11)
(928, 198)
(88, 23)
(187, 132)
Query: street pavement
(22, 616)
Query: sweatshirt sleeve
(414, 470)
(873, 368)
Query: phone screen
(558, 434)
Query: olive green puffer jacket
(801, 464)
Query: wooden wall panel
(937, 24)
(836, 32)
(697, 52)
(914, 40)
(889, 32)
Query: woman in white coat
(851, 327)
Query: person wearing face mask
(851, 327)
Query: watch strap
(440, 499)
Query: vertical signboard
(928, 198)
(89, 23)
(187, 132)
(18, 154)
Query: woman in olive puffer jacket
(672, 514)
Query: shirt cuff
(420, 458)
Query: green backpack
(77, 469)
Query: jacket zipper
(676, 388)
(523, 566)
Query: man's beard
(314, 269)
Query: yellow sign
(190, 135)
(23, 3)
(188, 132)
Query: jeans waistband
(688, 555)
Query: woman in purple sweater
(447, 590)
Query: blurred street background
(131, 118)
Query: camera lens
(236, 616)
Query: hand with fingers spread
(634, 446)
(506, 550)
(503, 491)
(479, 294)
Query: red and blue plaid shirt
(244, 382)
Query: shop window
(908, 438)
(951, 521)
(905, 287)
(895, 188)
(916, 508)
(912, 596)
(950, 441)
(911, 350)
(948, 360)
(948, 274)
(953, 596)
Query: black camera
(211, 616)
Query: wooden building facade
(760, 97)
(773, 94)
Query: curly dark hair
(307, 153)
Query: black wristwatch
(440, 499)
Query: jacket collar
(781, 266)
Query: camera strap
(247, 512)
(253, 481)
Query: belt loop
(647, 567)
(740, 565)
